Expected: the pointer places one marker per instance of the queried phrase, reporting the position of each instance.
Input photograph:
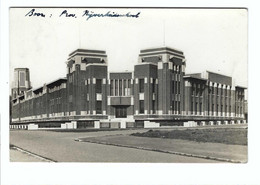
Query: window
(124, 92)
(153, 106)
(112, 88)
(98, 85)
(191, 107)
(153, 85)
(120, 87)
(99, 107)
(141, 85)
(116, 87)
(128, 88)
(141, 106)
(212, 108)
(179, 87)
(200, 108)
(196, 107)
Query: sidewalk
(215, 151)
(18, 156)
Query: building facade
(156, 93)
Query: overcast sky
(211, 39)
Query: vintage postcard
(143, 85)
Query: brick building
(156, 93)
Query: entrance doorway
(121, 112)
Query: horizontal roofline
(188, 76)
(242, 87)
(218, 74)
(88, 51)
(24, 68)
(162, 48)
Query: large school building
(157, 93)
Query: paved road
(61, 147)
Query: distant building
(21, 82)
(156, 93)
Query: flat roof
(194, 77)
(162, 48)
(87, 51)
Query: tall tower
(21, 81)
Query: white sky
(211, 39)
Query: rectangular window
(173, 83)
(98, 85)
(196, 106)
(212, 108)
(153, 106)
(116, 87)
(120, 87)
(141, 106)
(179, 107)
(191, 107)
(179, 87)
(200, 108)
(153, 85)
(141, 85)
(172, 105)
(111, 87)
(99, 107)
(124, 88)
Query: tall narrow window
(153, 85)
(153, 106)
(98, 85)
(99, 107)
(112, 88)
(116, 87)
(120, 87)
(179, 87)
(141, 85)
(141, 106)
(124, 88)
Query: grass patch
(235, 136)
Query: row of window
(141, 107)
(120, 87)
(176, 87)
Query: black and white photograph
(128, 85)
